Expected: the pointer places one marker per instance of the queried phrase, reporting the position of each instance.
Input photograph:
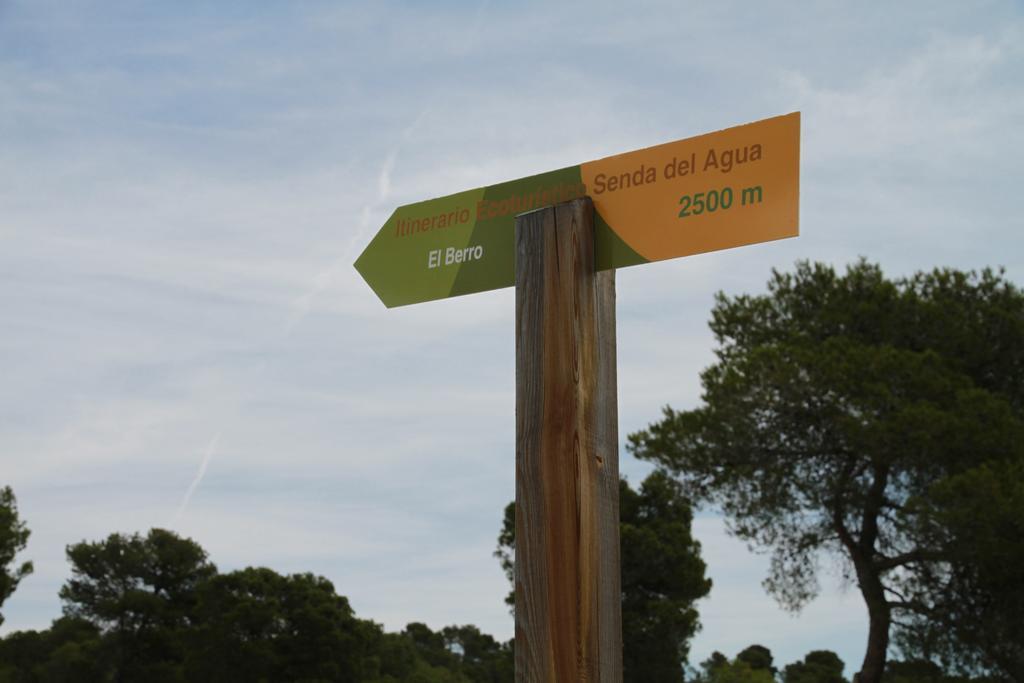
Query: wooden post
(568, 595)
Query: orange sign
(725, 189)
(736, 186)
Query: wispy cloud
(208, 453)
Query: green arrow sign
(724, 189)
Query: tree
(481, 658)
(67, 652)
(13, 539)
(818, 666)
(153, 608)
(839, 408)
(974, 602)
(750, 666)
(915, 671)
(140, 592)
(662, 578)
(257, 625)
(455, 654)
(927, 671)
(758, 657)
(431, 646)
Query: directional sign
(736, 186)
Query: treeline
(755, 664)
(153, 608)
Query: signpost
(568, 595)
(726, 189)
(559, 236)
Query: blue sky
(184, 187)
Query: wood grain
(568, 596)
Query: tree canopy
(255, 624)
(854, 415)
(154, 608)
(140, 591)
(818, 666)
(752, 665)
(973, 603)
(13, 539)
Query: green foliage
(506, 551)
(925, 671)
(758, 657)
(751, 666)
(839, 411)
(482, 659)
(662, 577)
(153, 608)
(739, 671)
(257, 625)
(140, 592)
(13, 538)
(68, 652)
(456, 654)
(754, 665)
(917, 671)
(819, 666)
(974, 600)
(128, 584)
